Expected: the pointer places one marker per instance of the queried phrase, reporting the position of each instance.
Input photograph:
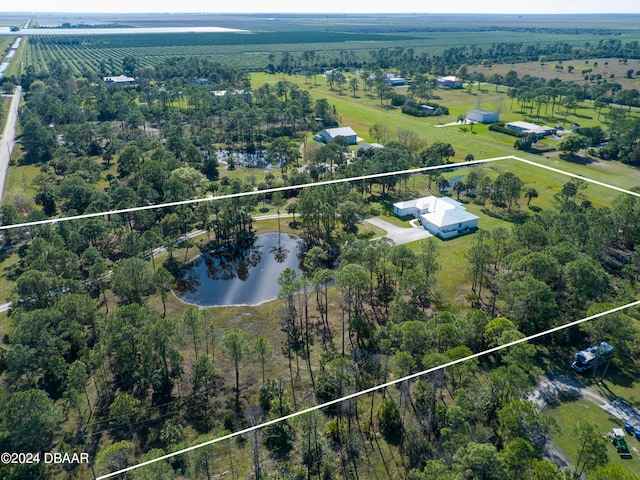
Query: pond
(244, 159)
(246, 277)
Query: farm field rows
(252, 50)
(125, 365)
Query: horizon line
(204, 12)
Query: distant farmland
(84, 53)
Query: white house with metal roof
(441, 216)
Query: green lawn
(453, 279)
(364, 111)
(19, 180)
(569, 413)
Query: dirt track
(547, 393)
(548, 390)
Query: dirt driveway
(547, 392)
(546, 396)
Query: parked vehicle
(592, 356)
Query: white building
(393, 80)
(482, 116)
(329, 135)
(450, 82)
(120, 79)
(441, 216)
(526, 127)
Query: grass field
(330, 37)
(570, 413)
(362, 112)
(252, 49)
(547, 70)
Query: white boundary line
(370, 390)
(307, 185)
(331, 182)
(586, 179)
(252, 192)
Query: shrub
(499, 127)
(390, 421)
(398, 99)
(410, 108)
(525, 142)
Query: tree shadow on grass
(577, 159)
(619, 377)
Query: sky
(325, 6)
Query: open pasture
(610, 70)
(364, 111)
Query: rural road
(8, 139)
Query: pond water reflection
(245, 277)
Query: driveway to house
(400, 235)
(546, 394)
(8, 138)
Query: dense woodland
(102, 368)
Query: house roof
(483, 112)
(430, 203)
(405, 204)
(445, 217)
(450, 78)
(340, 132)
(529, 127)
(365, 145)
(119, 79)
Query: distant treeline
(407, 60)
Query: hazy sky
(326, 6)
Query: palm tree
(354, 84)
(530, 193)
(443, 184)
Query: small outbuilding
(482, 116)
(393, 80)
(450, 82)
(442, 216)
(120, 80)
(367, 146)
(329, 135)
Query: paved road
(8, 139)
(398, 234)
